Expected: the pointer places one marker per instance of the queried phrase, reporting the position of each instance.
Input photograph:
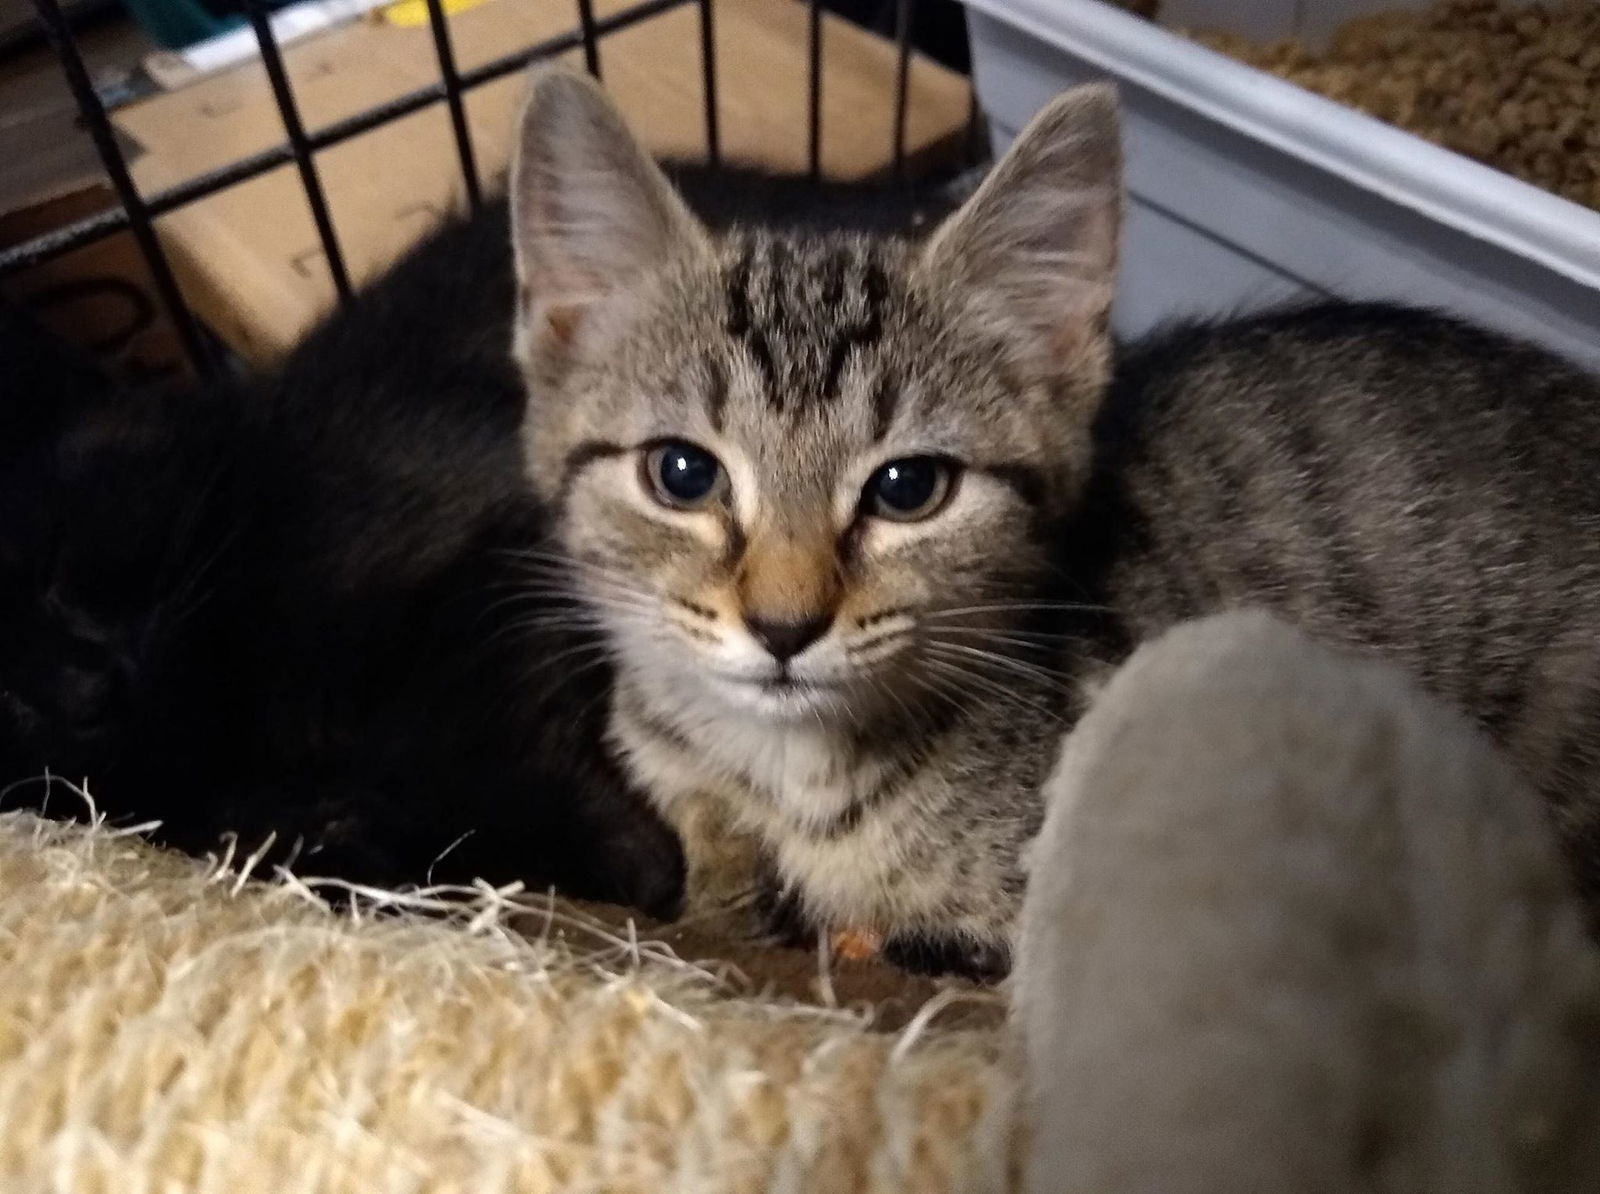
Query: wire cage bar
(708, 72)
(814, 81)
(136, 213)
(591, 44)
(451, 79)
(289, 113)
(902, 82)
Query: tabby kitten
(808, 485)
(863, 519)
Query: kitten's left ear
(590, 212)
(1035, 249)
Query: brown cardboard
(249, 256)
(99, 296)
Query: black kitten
(217, 618)
(318, 606)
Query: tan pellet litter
(1515, 87)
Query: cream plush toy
(1292, 925)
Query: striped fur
(1390, 481)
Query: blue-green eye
(911, 489)
(683, 476)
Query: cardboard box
(249, 257)
(100, 296)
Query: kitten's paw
(923, 953)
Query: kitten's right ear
(1034, 251)
(590, 212)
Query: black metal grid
(136, 212)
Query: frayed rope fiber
(171, 1026)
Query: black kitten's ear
(1035, 249)
(590, 212)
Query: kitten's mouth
(794, 684)
(779, 682)
(781, 696)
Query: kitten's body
(878, 695)
(1390, 480)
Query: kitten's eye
(683, 476)
(911, 489)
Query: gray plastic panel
(1221, 221)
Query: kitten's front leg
(724, 867)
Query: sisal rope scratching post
(168, 1026)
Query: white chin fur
(766, 703)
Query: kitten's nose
(786, 639)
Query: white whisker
(1008, 607)
(1019, 667)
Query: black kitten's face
(101, 559)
